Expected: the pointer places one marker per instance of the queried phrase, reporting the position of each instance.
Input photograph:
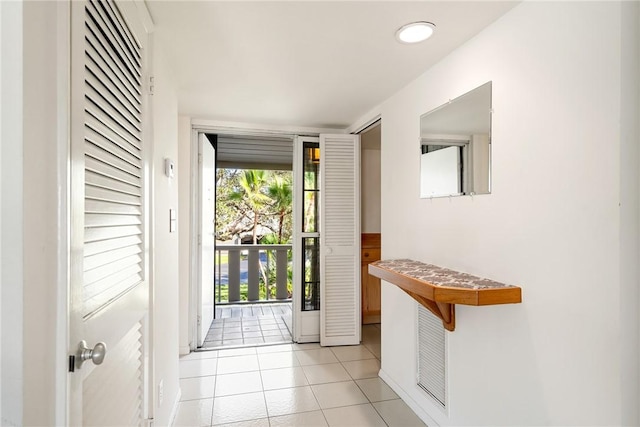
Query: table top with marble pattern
(438, 276)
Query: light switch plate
(169, 168)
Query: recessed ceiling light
(415, 32)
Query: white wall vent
(432, 367)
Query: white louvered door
(109, 291)
(340, 240)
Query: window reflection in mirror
(455, 146)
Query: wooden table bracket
(440, 289)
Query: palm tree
(282, 198)
(252, 183)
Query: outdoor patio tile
(232, 342)
(231, 336)
(257, 340)
(268, 326)
(252, 334)
(270, 333)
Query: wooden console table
(440, 289)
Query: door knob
(95, 354)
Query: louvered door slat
(108, 159)
(128, 37)
(104, 169)
(107, 152)
(431, 356)
(102, 181)
(112, 285)
(100, 132)
(100, 206)
(109, 220)
(98, 55)
(109, 93)
(106, 233)
(99, 260)
(339, 240)
(102, 246)
(95, 275)
(98, 36)
(96, 78)
(105, 103)
(96, 16)
(105, 72)
(119, 34)
(112, 196)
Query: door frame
(225, 128)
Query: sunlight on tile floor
(290, 385)
(249, 324)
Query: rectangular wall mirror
(455, 146)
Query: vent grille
(431, 356)
(113, 197)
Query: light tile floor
(290, 385)
(249, 324)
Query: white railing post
(234, 275)
(253, 293)
(281, 273)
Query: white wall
(165, 244)
(184, 213)
(553, 223)
(44, 128)
(11, 213)
(370, 181)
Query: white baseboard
(184, 350)
(421, 413)
(174, 410)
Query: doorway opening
(370, 223)
(251, 283)
(317, 274)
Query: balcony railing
(252, 273)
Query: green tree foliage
(251, 191)
(282, 199)
(249, 199)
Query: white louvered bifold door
(109, 211)
(339, 240)
(431, 356)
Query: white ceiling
(303, 63)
